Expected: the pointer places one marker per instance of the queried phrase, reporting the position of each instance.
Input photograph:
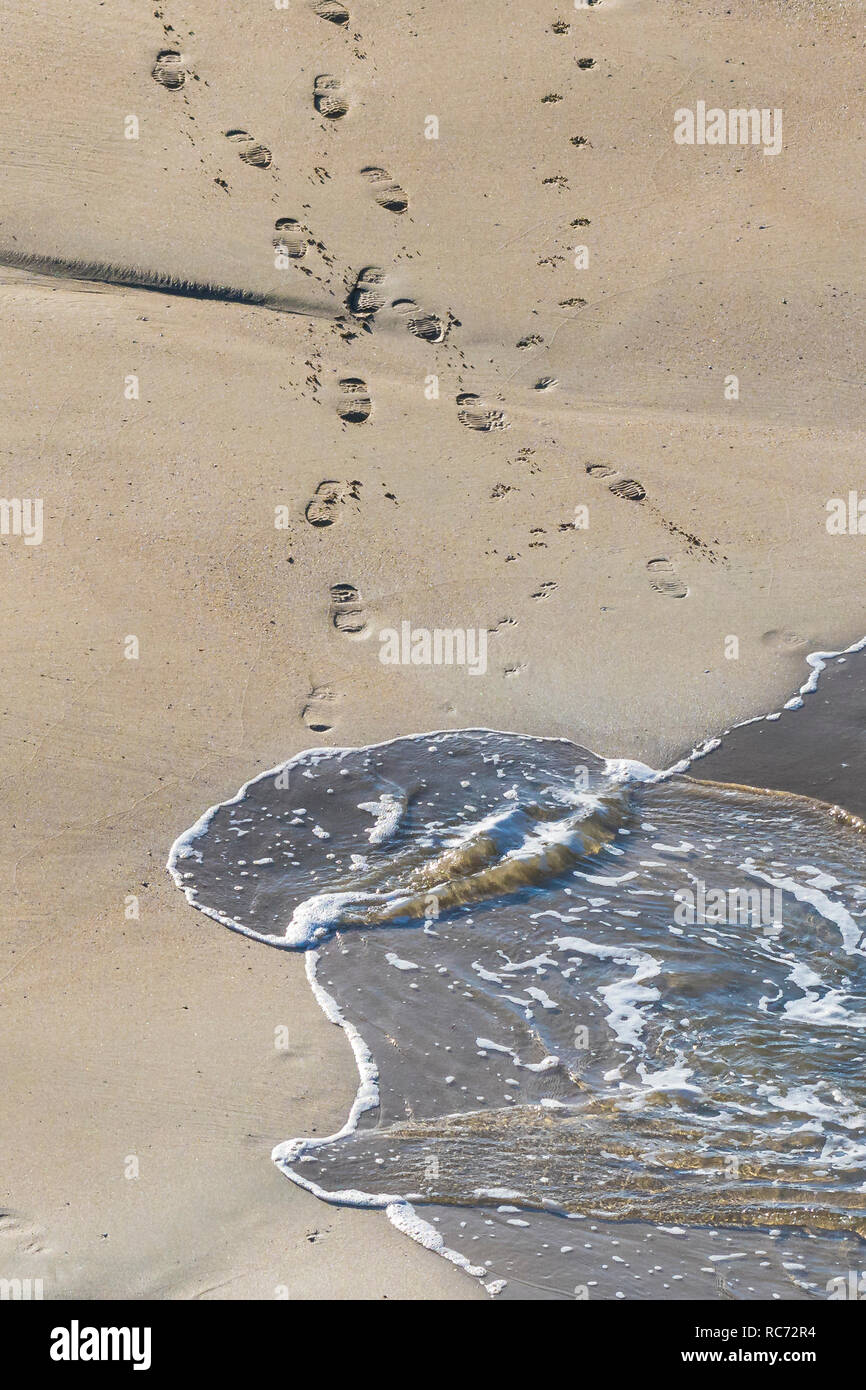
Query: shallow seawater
(609, 1028)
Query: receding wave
(579, 996)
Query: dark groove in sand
(106, 273)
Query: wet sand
(816, 750)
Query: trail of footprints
(662, 575)
(367, 298)
(348, 616)
(170, 71)
(330, 101)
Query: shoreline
(402, 1211)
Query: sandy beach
(526, 448)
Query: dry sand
(154, 1037)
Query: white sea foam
(388, 811)
(393, 959)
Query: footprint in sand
(388, 194)
(328, 97)
(784, 640)
(316, 714)
(622, 487)
(546, 589)
(331, 10)
(20, 1234)
(628, 487)
(664, 580)
(354, 405)
(168, 70)
(348, 615)
(475, 415)
(323, 509)
(290, 238)
(367, 295)
(249, 150)
(427, 326)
